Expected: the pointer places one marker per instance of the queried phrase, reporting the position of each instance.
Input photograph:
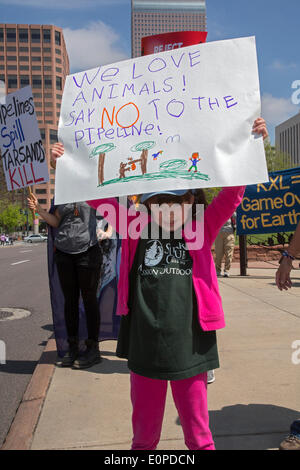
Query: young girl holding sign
(169, 298)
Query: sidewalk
(255, 398)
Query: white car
(35, 238)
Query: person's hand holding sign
(260, 127)
(57, 150)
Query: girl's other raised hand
(57, 150)
(260, 127)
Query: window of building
(58, 60)
(23, 49)
(35, 49)
(38, 104)
(52, 191)
(43, 135)
(24, 67)
(12, 81)
(36, 59)
(36, 68)
(58, 97)
(48, 104)
(48, 113)
(11, 48)
(24, 80)
(36, 81)
(11, 35)
(58, 83)
(47, 35)
(47, 81)
(10, 67)
(52, 181)
(37, 95)
(52, 172)
(53, 136)
(24, 58)
(42, 201)
(1, 35)
(58, 70)
(47, 68)
(3, 68)
(57, 51)
(47, 59)
(57, 38)
(41, 191)
(47, 49)
(35, 35)
(11, 58)
(48, 95)
(23, 35)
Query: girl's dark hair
(200, 198)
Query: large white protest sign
(177, 119)
(22, 151)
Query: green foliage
(277, 160)
(12, 217)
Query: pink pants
(148, 397)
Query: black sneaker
(90, 357)
(71, 355)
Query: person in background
(78, 257)
(283, 282)
(224, 246)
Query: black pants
(79, 273)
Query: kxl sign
(169, 41)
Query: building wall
(287, 138)
(162, 16)
(35, 55)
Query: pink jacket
(210, 311)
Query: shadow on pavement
(27, 367)
(250, 427)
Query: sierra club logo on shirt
(161, 255)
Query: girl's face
(170, 212)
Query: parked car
(35, 238)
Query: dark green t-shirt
(161, 336)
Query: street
(24, 285)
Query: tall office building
(287, 138)
(149, 17)
(35, 55)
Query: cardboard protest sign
(177, 119)
(23, 155)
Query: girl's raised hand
(57, 150)
(260, 127)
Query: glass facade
(29, 55)
(156, 17)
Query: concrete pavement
(252, 403)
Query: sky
(97, 32)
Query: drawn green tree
(101, 151)
(143, 147)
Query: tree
(277, 160)
(12, 217)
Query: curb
(22, 430)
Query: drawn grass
(169, 169)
